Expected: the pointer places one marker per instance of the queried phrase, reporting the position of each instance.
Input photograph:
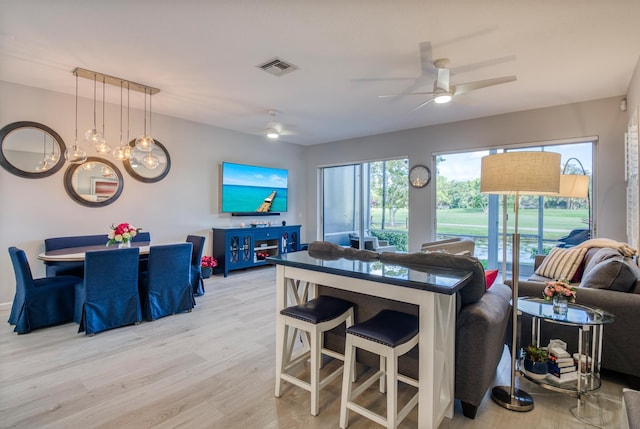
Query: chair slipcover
(108, 296)
(196, 274)
(75, 268)
(142, 237)
(39, 302)
(166, 288)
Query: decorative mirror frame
(6, 164)
(68, 183)
(132, 172)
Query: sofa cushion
(561, 264)
(613, 273)
(597, 257)
(470, 293)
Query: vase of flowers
(207, 264)
(561, 293)
(122, 234)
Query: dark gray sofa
(621, 342)
(481, 324)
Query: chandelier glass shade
(150, 161)
(145, 142)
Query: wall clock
(419, 176)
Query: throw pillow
(599, 256)
(613, 274)
(490, 277)
(561, 264)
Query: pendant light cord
(75, 144)
(121, 113)
(95, 79)
(150, 95)
(128, 106)
(145, 112)
(103, 84)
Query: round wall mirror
(95, 183)
(31, 150)
(148, 167)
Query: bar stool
(389, 334)
(315, 317)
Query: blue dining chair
(196, 273)
(142, 237)
(166, 288)
(39, 302)
(108, 297)
(75, 268)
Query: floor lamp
(518, 173)
(576, 186)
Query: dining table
(77, 254)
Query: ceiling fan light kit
(442, 98)
(272, 131)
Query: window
(544, 222)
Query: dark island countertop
(427, 278)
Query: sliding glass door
(368, 200)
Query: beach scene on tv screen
(249, 188)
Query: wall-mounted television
(253, 190)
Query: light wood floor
(212, 368)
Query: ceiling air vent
(277, 67)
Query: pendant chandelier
(145, 142)
(74, 154)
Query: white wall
(633, 99)
(185, 202)
(601, 118)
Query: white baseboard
(5, 306)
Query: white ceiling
(203, 57)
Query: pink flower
(121, 233)
(209, 262)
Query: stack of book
(562, 367)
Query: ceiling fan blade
(421, 105)
(401, 95)
(426, 59)
(472, 86)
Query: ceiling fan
(444, 91)
(276, 129)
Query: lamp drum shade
(525, 173)
(574, 186)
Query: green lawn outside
(557, 222)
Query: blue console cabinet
(238, 248)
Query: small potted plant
(207, 264)
(535, 361)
